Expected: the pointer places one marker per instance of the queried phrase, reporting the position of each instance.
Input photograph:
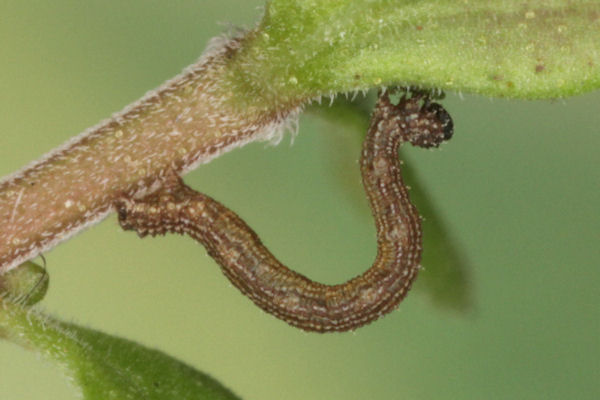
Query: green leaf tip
(108, 367)
(27, 284)
(509, 48)
(103, 367)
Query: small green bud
(27, 284)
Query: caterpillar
(282, 292)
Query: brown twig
(188, 121)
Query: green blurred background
(518, 185)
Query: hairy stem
(188, 121)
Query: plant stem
(190, 120)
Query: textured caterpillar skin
(288, 295)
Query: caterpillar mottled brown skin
(290, 296)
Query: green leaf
(508, 48)
(103, 366)
(446, 269)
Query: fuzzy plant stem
(190, 120)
